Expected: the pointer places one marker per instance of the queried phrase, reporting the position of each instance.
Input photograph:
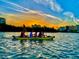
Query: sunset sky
(51, 13)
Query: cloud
(70, 15)
(2, 13)
(44, 2)
(52, 3)
(15, 7)
(77, 20)
(14, 4)
(55, 6)
(27, 10)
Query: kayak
(34, 38)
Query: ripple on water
(64, 46)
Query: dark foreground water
(64, 46)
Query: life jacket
(31, 35)
(22, 34)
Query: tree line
(35, 27)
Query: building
(72, 29)
(2, 20)
(77, 28)
(62, 29)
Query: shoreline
(38, 31)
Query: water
(64, 46)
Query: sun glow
(31, 19)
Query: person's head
(24, 25)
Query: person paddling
(23, 32)
(35, 34)
(31, 35)
(41, 34)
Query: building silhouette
(2, 20)
(77, 28)
(62, 29)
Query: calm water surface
(64, 46)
